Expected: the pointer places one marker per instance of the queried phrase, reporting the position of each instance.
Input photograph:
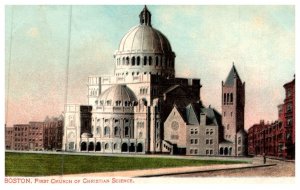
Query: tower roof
(231, 76)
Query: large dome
(144, 39)
(144, 50)
(117, 95)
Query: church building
(145, 108)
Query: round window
(175, 125)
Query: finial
(145, 17)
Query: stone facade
(233, 105)
(143, 107)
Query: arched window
(145, 60)
(231, 97)
(83, 146)
(224, 99)
(106, 130)
(138, 60)
(126, 131)
(132, 147)
(156, 61)
(124, 147)
(221, 151)
(98, 146)
(227, 98)
(226, 151)
(133, 61)
(123, 61)
(117, 131)
(91, 146)
(106, 146)
(115, 146)
(150, 60)
(139, 147)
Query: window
(192, 141)
(211, 131)
(196, 141)
(210, 141)
(191, 151)
(196, 151)
(126, 131)
(174, 137)
(117, 131)
(138, 60)
(227, 126)
(207, 131)
(145, 60)
(239, 140)
(140, 134)
(133, 61)
(106, 130)
(192, 131)
(207, 152)
(150, 60)
(211, 152)
(196, 131)
(106, 146)
(207, 141)
(156, 61)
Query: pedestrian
(265, 159)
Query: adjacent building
(277, 138)
(8, 138)
(35, 136)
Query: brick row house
(277, 138)
(35, 136)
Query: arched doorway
(98, 146)
(132, 147)
(139, 147)
(221, 151)
(230, 151)
(226, 151)
(83, 146)
(91, 146)
(124, 147)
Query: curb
(203, 171)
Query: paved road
(281, 169)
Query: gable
(175, 115)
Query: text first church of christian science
(143, 108)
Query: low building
(192, 130)
(35, 136)
(53, 133)
(20, 137)
(278, 138)
(8, 137)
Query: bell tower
(233, 104)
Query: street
(282, 169)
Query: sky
(260, 40)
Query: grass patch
(31, 164)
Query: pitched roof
(192, 116)
(232, 74)
(213, 117)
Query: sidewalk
(168, 171)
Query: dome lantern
(145, 17)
